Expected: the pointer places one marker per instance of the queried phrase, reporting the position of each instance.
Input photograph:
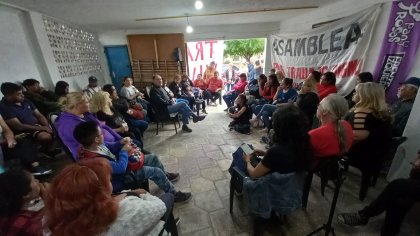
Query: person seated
(134, 115)
(396, 200)
(80, 203)
(308, 99)
(285, 94)
(23, 117)
(176, 88)
(133, 95)
(240, 113)
(188, 90)
(200, 83)
(76, 111)
(19, 147)
(214, 89)
(267, 90)
(252, 90)
(101, 106)
(335, 136)
(371, 122)
(237, 89)
(165, 105)
(316, 75)
(291, 150)
(61, 89)
(360, 78)
(92, 87)
(21, 203)
(44, 100)
(401, 109)
(123, 156)
(327, 85)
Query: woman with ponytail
(371, 122)
(334, 136)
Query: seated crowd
(104, 131)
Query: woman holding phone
(291, 151)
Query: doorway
(118, 63)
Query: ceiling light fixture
(189, 28)
(198, 5)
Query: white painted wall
(17, 59)
(25, 51)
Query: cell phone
(246, 149)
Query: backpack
(242, 128)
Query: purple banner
(399, 47)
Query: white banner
(339, 47)
(201, 53)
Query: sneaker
(204, 111)
(264, 139)
(353, 219)
(186, 129)
(254, 122)
(198, 118)
(38, 171)
(172, 176)
(182, 197)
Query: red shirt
(269, 92)
(240, 86)
(324, 140)
(25, 223)
(325, 90)
(199, 83)
(214, 84)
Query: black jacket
(160, 100)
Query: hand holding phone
(246, 149)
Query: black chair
(371, 173)
(334, 170)
(327, 169)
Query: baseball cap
(92, 79)
(412, 81)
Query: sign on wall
(399, 47)
(201, 53)
(339, 47)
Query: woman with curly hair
(79, 202)
(101, 106)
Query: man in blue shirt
(23, 117)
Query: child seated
(123, 156)
(241, 113)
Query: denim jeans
(266, 112)
(183, 109)
(230, 98)
(154, 170)
(140, 124)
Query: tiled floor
(203, 157)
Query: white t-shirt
(128, 91)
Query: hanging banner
(201, 53)
(399, 47)
(339, 47)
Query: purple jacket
(66, 123)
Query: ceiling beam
(228, 13)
